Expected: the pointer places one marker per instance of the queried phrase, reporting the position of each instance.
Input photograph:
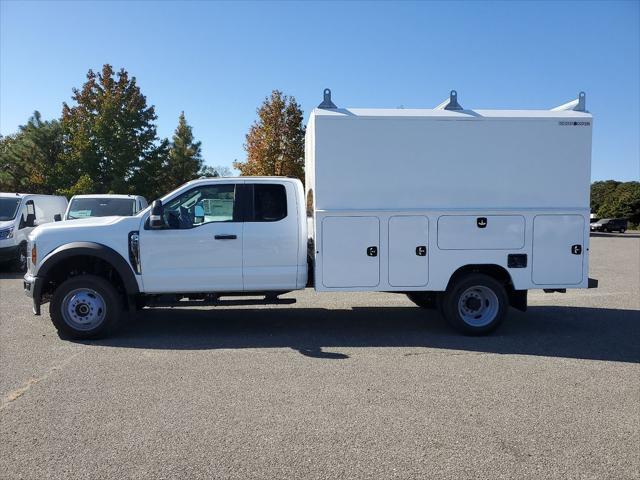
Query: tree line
(613, 199)
(106, 141)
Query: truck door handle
(225, 237)
(372, 251)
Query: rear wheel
(476, 304)
(86, 306)
(622, 230)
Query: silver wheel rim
(83, 309)
(23, 259)
(478, 306)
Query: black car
(609, 225)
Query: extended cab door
(271, 237)
(200, 250)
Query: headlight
(6, 233)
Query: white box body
(472, 187)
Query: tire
(20, 263)
(423, 299)
(475, 304)
(622, 230)
(86, 306)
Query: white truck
(461, 210)
(20, 213)
(104, 205)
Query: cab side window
(269, 202)
(201, 205)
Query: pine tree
(275, 142)
(185, 158)
(30, 160)
(109, 133)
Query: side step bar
(213, 300)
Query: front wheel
(622, 230)
(86, 306)
(476, 304)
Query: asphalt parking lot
(335, 386)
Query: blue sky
(217, 61)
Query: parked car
(104, 205)
(453, 225)
(609, 225)
(20, 213)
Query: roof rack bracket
(327, 103)
(450, 103)
(577, 105)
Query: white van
(104, 205)
(19, 214)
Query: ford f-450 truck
(461, 210)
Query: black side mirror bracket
(57, 217)
(156, 219)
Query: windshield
(8, 208)
(604, 220)
(100, 207)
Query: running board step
(213, 301)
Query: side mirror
(31, 220)
(57, 217)
(156, 219)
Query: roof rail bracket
(327, 103)
(450, 103)
(577, 105)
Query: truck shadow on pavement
(552, 331)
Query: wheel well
(517, 298)
(79, 265)
(495, 271)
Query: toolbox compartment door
(481, 232)
(558, 249)
(408, 251)
(350, 251)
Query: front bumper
(8, 254)
(33, 288)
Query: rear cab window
(269, 202)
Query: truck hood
(80, 223)
(6, 224)
(109, 231)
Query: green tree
(215, 171)
(601, 191)
(109, 133)
(83, 186)
(275, 142)
(185, 158)
(151, 179)
(622, 202)
(30, 160)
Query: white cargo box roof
(381, 159)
